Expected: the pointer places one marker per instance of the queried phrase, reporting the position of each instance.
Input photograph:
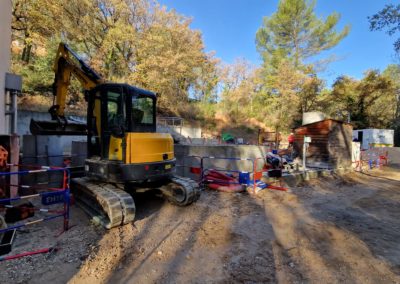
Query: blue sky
(229, 28)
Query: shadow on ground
(331, 230)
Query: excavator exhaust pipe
(55, 128)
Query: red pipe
(229, 188)
(277, 187)
(46, 250)
(220, 176)
(221, 182)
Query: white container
(374, 137)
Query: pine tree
(295, 33)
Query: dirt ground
(330, 230)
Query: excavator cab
(115, 110)
(123, 145)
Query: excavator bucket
(55, 128)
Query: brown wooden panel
(330, 140)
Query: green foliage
(295, 33)
(287, 40)
(207, 109)
(133, 41)
(388, 18)
(392, 72)
(38, 75)
(144, 44)
(369, 102)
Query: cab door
(113, 123)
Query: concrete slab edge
(295, 179)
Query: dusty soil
(336, 229)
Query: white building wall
(375, 137)
(5, 44)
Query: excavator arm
(66, 64)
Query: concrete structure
(393, 156)
(184, 156)
(63, 142)
(374, 137)
(180, 131)
(5, 44)
(331, 143)
(311, 117)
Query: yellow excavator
(124, 151)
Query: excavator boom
(66, 64)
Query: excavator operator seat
(137, 115)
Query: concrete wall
(200, 141)
(182, 153)
(340, 145)
(5, 44)
(393, 155)
(184, 131)
(23, 121)
(25, 116)
(373, 153)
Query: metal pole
(304, 153)
(15, 112)
(254, 176)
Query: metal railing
(253, 180)
(49, 196)
(170, 121)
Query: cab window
(115, 110)
(142, 110)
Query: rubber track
(190, 187)
(105, 202)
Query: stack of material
(218, 181)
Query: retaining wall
(180, 131)
(64, 143)
(183, 155)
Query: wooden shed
(330, 145)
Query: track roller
(181, 191)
